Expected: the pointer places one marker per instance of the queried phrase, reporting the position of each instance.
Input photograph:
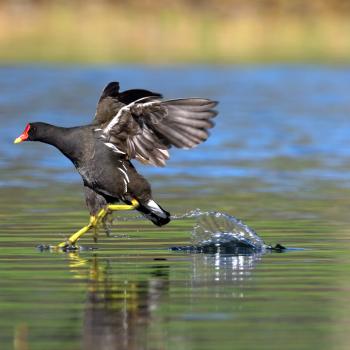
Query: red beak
(24, 136)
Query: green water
(133, 293)
(278, 159)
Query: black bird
(134, 124)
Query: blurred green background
(167, 32)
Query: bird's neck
(67, 140)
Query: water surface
(277, 158)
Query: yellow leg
(95, 221)
(74, 237)
(134, 204)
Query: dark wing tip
(129, 96)
(111, 90)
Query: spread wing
(111, 101)
(146, 128)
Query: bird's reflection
(118, 310)
(120, 306)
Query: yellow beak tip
(18, 140)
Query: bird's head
(30, 133)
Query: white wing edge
(139, 106)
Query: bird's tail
(154, 212)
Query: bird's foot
(70, 243)
(67, 246)
(95, 222)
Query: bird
(132, 124)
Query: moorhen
(134, 124)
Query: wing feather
(112, 100)
(146, 128)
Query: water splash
(216, 232)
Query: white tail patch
(155, 208)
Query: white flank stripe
(125, 174)
(126, 185)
